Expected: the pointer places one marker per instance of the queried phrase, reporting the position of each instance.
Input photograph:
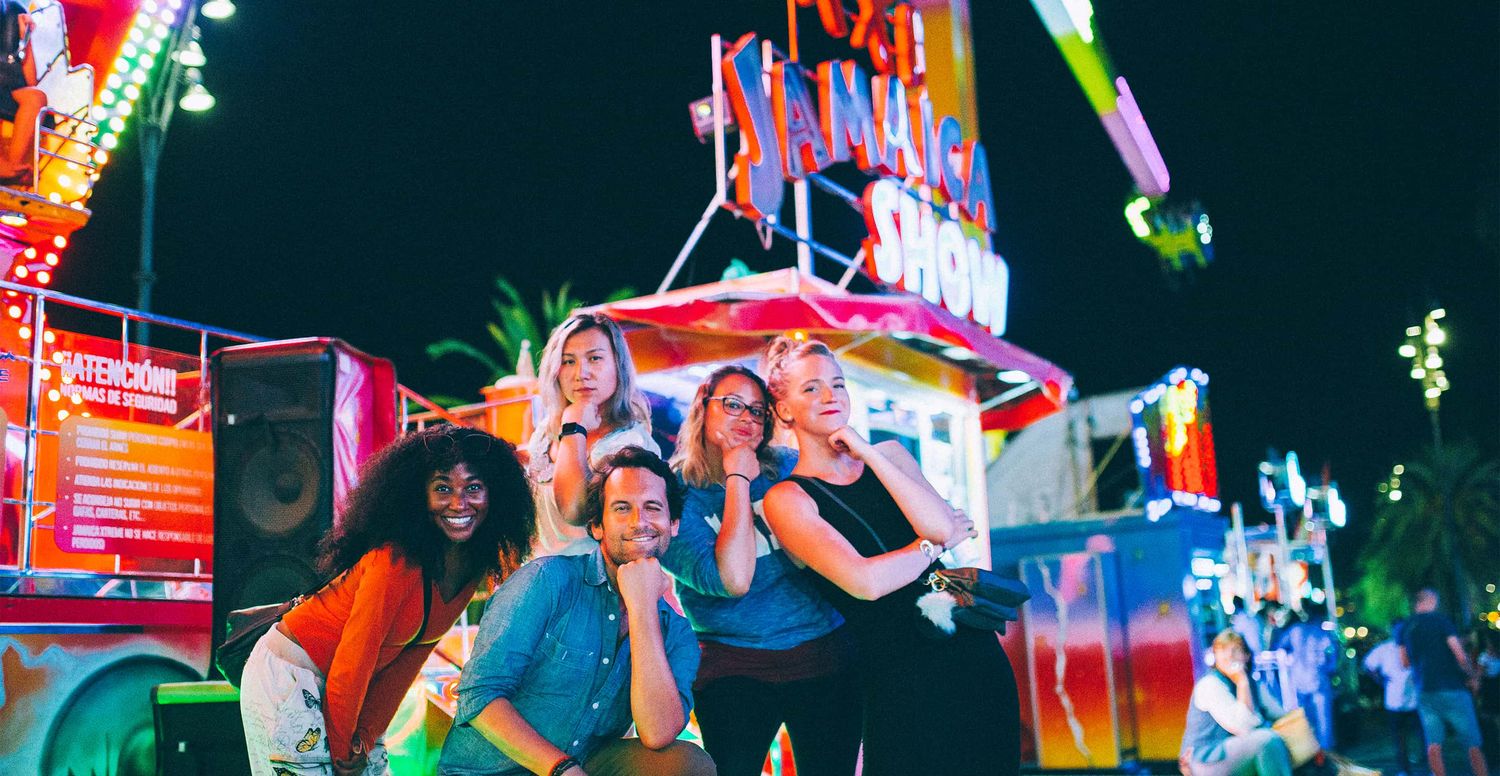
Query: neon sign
(1174, 444)
(795, 123)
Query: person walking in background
(1312, 658)
(773, 651)
(1489, 692)
(592, 408)
(1400, 694)
(434, 514)
(1229, 718)
(1445, 678)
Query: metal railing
(40, 300)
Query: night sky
(370, 167)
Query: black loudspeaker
(198, 730)
(292, 422)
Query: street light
(177, 83)
(1422, 348)
(218, 9)
(197, 98)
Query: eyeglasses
(473, 444)
(735, 407)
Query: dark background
(370, 167)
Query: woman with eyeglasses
(416, 539)
(773, 652)
(866, 520)
(592, 409)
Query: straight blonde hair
(626, 406)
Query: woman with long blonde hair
(591, 408)
(773, 650)
(865, 519)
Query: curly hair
(629, 457)
(691, 457)
(389, 505)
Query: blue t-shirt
(781, 610)
(1432, 661)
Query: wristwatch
(929, 549)
(572, 428)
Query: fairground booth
(149, 489)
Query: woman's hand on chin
(847, 440)
(584, 413)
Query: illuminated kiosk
(1128, 587)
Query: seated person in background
(1229, 720)
(20, 99)
(573, 648)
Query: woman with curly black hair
(416, 539)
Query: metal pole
(153, 137)
(33, 402)
(156, 116)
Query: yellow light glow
(48, 337)
(76, 398)
(22, 272)
(44, 277)
(1407, 351)
(46, 374)
(25, 332)
(54, 395)
(1435, 336)
(62, 414)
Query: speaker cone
(280, 484)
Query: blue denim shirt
(548, 644)
(782, 608)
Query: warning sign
(138, 489)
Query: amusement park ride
(122, 540)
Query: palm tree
(517, 327)
(1444, 532)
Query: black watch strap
(565, 763)
(572, 428)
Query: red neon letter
(801, 145)
(847, 118)
(910, 45)
(757, 185)
(870, 33)
(831, 14)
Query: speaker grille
(280, 486)
(276, 579)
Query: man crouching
(572, 649)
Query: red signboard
(134, 489)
